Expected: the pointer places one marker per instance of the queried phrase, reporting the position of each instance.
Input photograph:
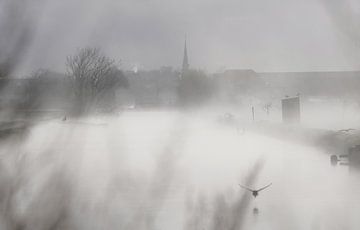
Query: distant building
(185, 64)
(314, 84)
(232, 85)
(246, 82)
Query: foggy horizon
(266, 36)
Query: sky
(264, 35)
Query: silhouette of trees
(194, 88)
(94, 77)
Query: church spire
(185, 65)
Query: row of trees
(195, 88)
(95, 79)
(92, 82)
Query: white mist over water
(161, 170)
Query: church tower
(185, 65)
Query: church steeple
(185, 65)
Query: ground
(174, 170)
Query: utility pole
(253, 113)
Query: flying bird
(345, 130)
(255, 193)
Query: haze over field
(170, 170)
(184, 115)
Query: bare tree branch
(94, 75)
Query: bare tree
(94, 75)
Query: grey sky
(264, 35)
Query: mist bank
(158, 169)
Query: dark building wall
(314, 83)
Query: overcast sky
(264, 35)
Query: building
(185, 64)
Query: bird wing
(251, 190)
(264, 187)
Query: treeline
(92, 84)
(88, 86)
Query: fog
(108, 121)
(168, 169)
(311, 35)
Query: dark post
(291, 110)
(253, 113)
